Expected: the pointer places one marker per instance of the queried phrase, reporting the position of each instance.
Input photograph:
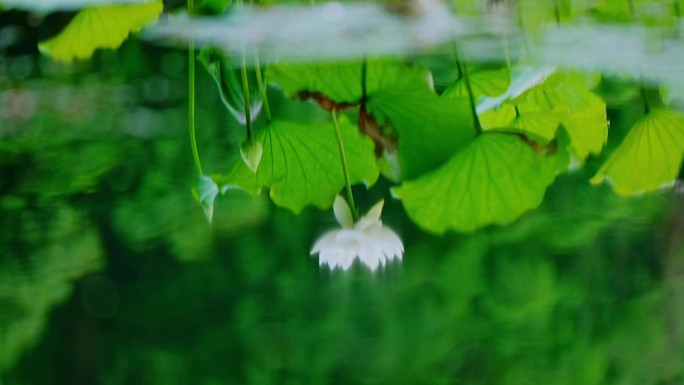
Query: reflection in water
(60, 5)
(109, 272)
(619, 50)
(43, 250)
(577, 41)
(333, 30)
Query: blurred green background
(110, 274)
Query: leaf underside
(430, 128)
(493, 180)
(650, 156)
(489, 83)
(580, 112)
(341, 81)
(301, 163)
(97, 27)
(562, 100)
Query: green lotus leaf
(341, 81)
(430, 128)
(522, 78)
(49, 6)
(636, 11)
(538, 126)
(501, 116)
(97, 27)
(301, 164)
(649, 158)
(493, 180)
(489, 83)
(587, 127)
(565, 99)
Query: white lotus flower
(367, 240)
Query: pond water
(528, 154)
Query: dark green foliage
(109, 273)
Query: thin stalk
(632, 11)
(471, 98)
(678, 15)
(245, 91)
(454, 6)
(364, 75)
(345, 167)
(556, 12)
(507, 52)
(454, 53)
(191, 98)
(363, 116)
(262, 88)
(462, 68)
(521, 25)
(644, 95)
